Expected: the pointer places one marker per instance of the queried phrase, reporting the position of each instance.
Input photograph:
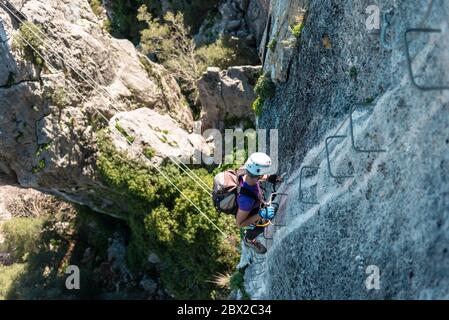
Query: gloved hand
(274, 178)
(267, 213)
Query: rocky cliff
(54, 102)
(391, 212)
(388, 213)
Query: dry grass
(222, 280)
(33, 205)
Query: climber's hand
(274, 178)
(267, 213)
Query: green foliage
(43, 148)
(126, 25)
(257, 106)
(97, 6)
(237, 282)
(162, 221)
(123, 132)
(8, 275)
(353, 72)
(59, 98)
(149, 152)
(272, 44)
(297, 30)
(265, 88)
(40, 166)
(43, 247)
(27, 38)
(167, 40)
(224, 53)
(21, 235)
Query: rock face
(245, 19)
(48, 115)
(279, 41)
(149, 129)
(226, 96)
(393, 214)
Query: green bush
(149, 152)
(258, 106)
(265, 87)
(8, 275)
(297, 30)
(272, 44)
(162, 221)
(40, 166)
(224, 53)
(59, 98)
(21, 235)
(29, 37)
(97, 7)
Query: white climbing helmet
(258, 164)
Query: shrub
(97, 7)
(8, 275)
(21, 235)
(265, 87)
(297, 30)
(272, 44)
(40, 166)
(59, 98)
(149, 152)
(162, 221)
(237, 282)
(225, 52)
(369, 100)
(258, 106)
(29, 37)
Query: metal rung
(351, 126)
(328, 160)
(409, 59)
(301, 199)
(386, 23)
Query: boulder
(49, 116)
(227, 95)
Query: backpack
(227, 188)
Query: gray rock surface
(245, 19)
(226, 96)
(394, 213)
(48, 119)
(162, 134)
